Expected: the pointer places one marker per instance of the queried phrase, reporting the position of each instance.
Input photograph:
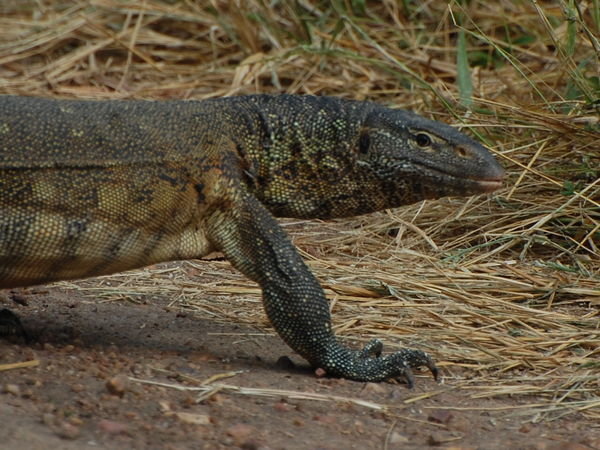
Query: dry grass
(503, 290)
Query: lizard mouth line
(485, 184)
(488, 185)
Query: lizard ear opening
(364, 142)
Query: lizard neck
(299, 157)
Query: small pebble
(525, 428)
(437, 438)
(67, 430)
(397, 438)
(27, 393)
(282, 407)
(440, 416)
(48, 419)
(13, 389)
(320, 373)
(327, 418)
(195, 419)
(77, 387)
(359, 426)
(112, 427)
(242, 434)
(117, 385)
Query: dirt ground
(123, 375)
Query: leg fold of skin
(256, 245)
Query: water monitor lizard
(96, 187)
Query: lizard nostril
(463, 152)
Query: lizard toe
(402, 362)
(373, 348)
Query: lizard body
(96, 187)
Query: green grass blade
(465, 84)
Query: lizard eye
(364, 143)
(423, 140)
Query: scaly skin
(90, 188)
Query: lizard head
(412, 158)
(327, 157)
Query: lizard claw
(434, 370)
(410, 377)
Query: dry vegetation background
(503, 290)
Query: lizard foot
(368, 364)
(404, 360)
(10, 325)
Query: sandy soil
(84, 392)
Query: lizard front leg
(255, 244)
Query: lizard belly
(49, 247)
(56, 227)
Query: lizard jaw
(489, 185)
(477, 184)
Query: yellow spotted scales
(96, 187)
